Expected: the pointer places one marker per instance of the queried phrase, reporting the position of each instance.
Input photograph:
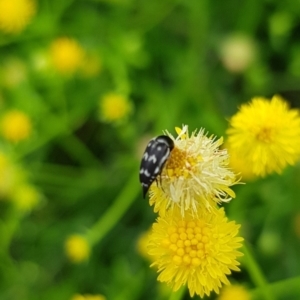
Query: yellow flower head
(15, 15)
(196, 174)
(198, 252)
(67, 55)
(25, 197)
(77, 248)
(114, 107)
(266, 135)
(233, 292)
(88, 297)
(16, 126)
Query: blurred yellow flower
(142, 244)
(25, 197)
(16, 126)
(15, 15)
(196, 174)
(198, 250)
(234, 292)
(266, 135)
(66, 55)
(88, 297)
(238, 52)
(114, 107)
(142, 248)
(8, 176)
(77, 248)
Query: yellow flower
(88, 297)
(67, 55)
(15, 15)
(114, 107)
(16, 126)
(77, 248)
(25, 197)
(195, 251)
(233, 292)
(196, 174)
(266, 135)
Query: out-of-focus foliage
(71, 206)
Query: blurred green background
(69, 163)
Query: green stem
(12, 223)
(288, 288)
(257, 275)
(119, 73)
(115, 212)
(79, 151)
(44, 140)
(58, 126)
(178, 295)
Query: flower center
(179, 164)
(188, 242)
(265, 135)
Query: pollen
(265, 135)
(189, 244)
(180, 164)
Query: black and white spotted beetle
(155, 156)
